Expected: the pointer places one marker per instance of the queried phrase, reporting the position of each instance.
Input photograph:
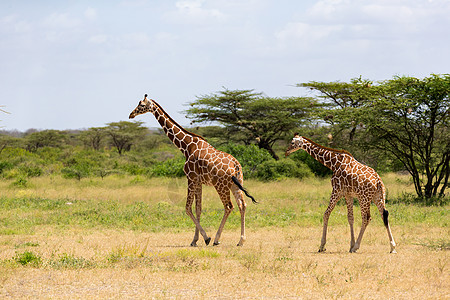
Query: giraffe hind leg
(385, 216)
(388, 228)
(198, 212)
(242, 206)
(224, 194)
(365, 216)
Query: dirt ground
(274, 263)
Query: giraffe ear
(145, 96)
(296, 135)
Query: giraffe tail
(385, 217)
(239, 185)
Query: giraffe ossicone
(350, 179)
(204, 165)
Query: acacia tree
(341, 101)
(93, 137)
(44, 138)
(249, 117)
(406, 117)
(410, 119)
(124, 134)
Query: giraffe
(204, 165)
(350, 179)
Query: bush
(5, 165)
(26, 258)
(133, 169)
(249, 156)
(83, 164)
(278, 169)
(20, 182)
(169, 168)
(316, 167)
(30, 169)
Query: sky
(80, 64)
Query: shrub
(249, 156)
(5, 165)
(30, 169)
(133, 169)
(83, 164)
(316, 167)
(26, 258)
(273, 170)
(20, 182)
(170, 168)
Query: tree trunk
(265, 145)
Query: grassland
(128, 237)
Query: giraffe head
(143, 107)
(295, 144)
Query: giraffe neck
(325, 156)
(179, 136)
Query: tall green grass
(156, 204)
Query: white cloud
(90, 13)
(194, 12)
(62, 21)
(306, 32)
(15, 24)
(98, 39)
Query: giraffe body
(204, 165)
(351, 179)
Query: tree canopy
(124, 134)
(251, 117)
(411, 120)
(405, 117)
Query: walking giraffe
(350, 179)
(204, 165)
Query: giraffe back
(209, 165)
(356, 179)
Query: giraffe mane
(174, 122)
(327, 148)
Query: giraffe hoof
(322, 250)
(393, 251)
(207, 241)
(193, 244)
(216, 243)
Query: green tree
(410, 119)
(404, 118)
(93, 137)
(124, 134)
(341, 102)
(9, 141)
(45, 138)
(252, 117)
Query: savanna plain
(128, 237)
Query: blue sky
(80, 64)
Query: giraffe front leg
(333, 200)
(198, 212)
(350, 218)
(192, 189)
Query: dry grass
(276, 261)
(273, 263)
